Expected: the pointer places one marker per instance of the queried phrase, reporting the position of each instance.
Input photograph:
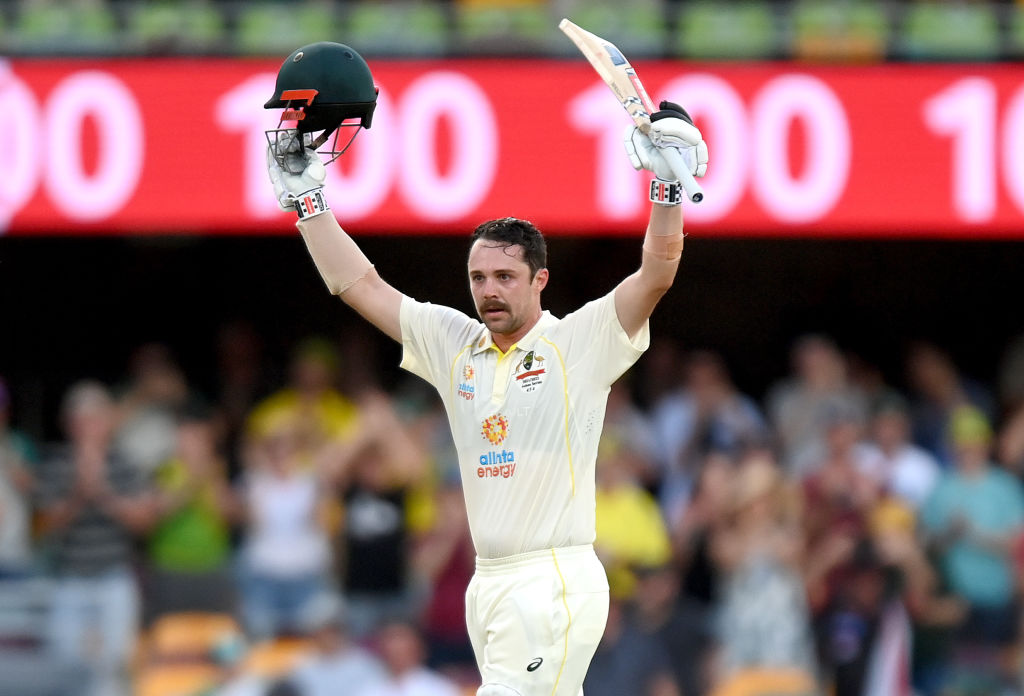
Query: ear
(540, 279)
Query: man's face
(504, 292)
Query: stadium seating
(949, 31)
(171, 26)
(857, 30)
(188, 636)
(176, 680)
(717, 30)
(278, 28)
(838, 30)
(639, 28)
(514, 28)
(398, 27)
(63, 28)
(274, 658)
(1014, 22)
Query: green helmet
(323, 84)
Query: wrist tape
(311, 203)
(666, 192)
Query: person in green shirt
(189, 547)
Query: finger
(702, 158)
(674, 131)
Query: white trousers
(535, 619)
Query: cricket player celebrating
(525, 391)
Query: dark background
(71, 308)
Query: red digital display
(177, 146)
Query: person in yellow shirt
(631, 532)
(310, 406)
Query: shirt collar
(485, 342)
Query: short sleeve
(598, 343)
(432, 335)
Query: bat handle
(693, 190)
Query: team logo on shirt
(496, 464)
(495, 429)
(530, 372)
(466, 389)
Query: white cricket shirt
(527, 423)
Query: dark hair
(512, 231)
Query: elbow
(659, 281)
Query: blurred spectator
(629, 661)
(975, 518)
(241, 382)
(401, 648)
(630, 529)
(764, 615)
(373, 474)
(680, 625)
(662, 372)
(692, 534)
(1010, 445)
(864, 630)
(444, 560)
(628, 425)
(285, 555)
(940, 390)
(146, 429)
(189, 547)
(310, 407)
(838, 499)
(902, 469)
(92, 503)
(708, 413)
(338, 667)
(838, 486)
(796, 405)
(16, 482)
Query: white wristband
(664, 192)
(311, 203)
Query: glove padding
(289, 188)
(670, 127)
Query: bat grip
(693, 190)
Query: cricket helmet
(320, 86)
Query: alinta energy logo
(495, 429)
(496, 463)
(466, 389)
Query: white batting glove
(302, 192)
(670, 127)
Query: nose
(489, 288)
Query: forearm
(663, 246)
(349, 274)
(137, 514)
(340, 261)
(59, 515)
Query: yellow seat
(274, 658)
(189, 635)
(768, 682)
(176, 679)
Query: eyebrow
(495, 271)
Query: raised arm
(350, 275)
(638, 294)
(343, 266)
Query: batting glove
(670, 127)
(302, 192)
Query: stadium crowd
(307, 537)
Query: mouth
(493, 311)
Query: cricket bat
(621, 78)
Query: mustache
(493, 305)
